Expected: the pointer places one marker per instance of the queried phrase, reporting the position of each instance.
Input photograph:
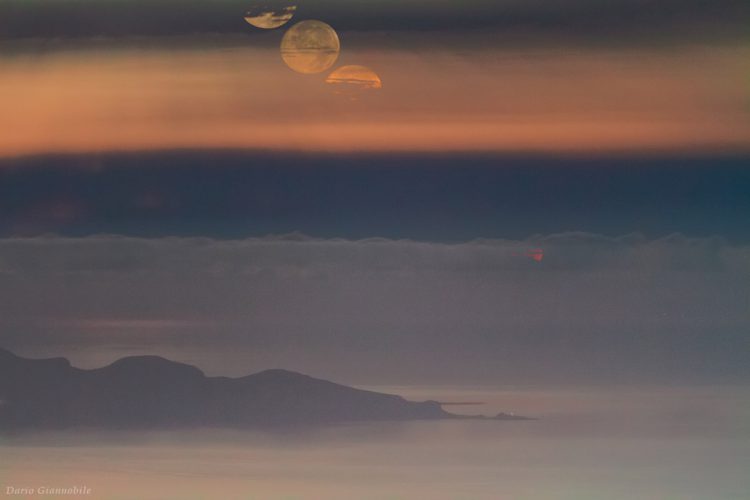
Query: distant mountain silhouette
(153, 392)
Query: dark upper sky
(575, 18)
(428, 197)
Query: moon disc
(310, 47)
(270, 15)
(355, 77)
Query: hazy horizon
(619, 445)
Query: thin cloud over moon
(310, 47)
(354, 78)
(267, 16)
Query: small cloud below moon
(270, 16)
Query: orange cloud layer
(244, 97)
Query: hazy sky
(595, 309)
(233, 94)
(149, 149)
(549, 76)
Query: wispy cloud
(104, 324)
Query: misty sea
(622, 443)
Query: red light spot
(537, 254)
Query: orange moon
(310, 47)
(355, 77)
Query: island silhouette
(154, 392)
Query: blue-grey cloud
(447, 197)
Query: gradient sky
(513, 76)
(169, 186)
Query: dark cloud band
(577, 19)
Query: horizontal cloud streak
(564, 251)
(229, 96)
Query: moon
(310, 47)
(354, 77)
(270, 16)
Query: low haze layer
(383, 311)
